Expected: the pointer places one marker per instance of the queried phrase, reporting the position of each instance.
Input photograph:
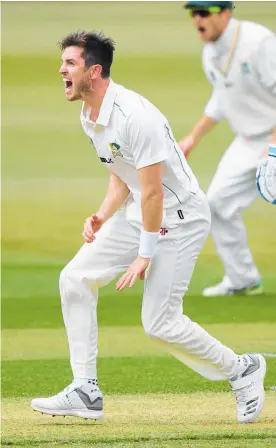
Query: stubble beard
(83, 90)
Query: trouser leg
(230, 239)
(95, 265)
(167, 281)
(233, 189)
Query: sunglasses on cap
(206, 12)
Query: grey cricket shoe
(76, 401)
(248, 387)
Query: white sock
(87, 383)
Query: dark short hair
(97, 48)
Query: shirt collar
(225, 41)
(106, 106)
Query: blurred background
(52, 179)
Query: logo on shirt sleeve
(245, 68)
(115, 149)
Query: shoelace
(72, 386)
(66, 390)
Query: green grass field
(52, 180)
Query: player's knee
(148, 325)
(220, 208)
(153, 328)
(64, 280)
(70, 280)
(153, 333)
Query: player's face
(211, 26)
(77, 79)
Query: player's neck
(95, 98)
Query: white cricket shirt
(131, 133)
(246, 94)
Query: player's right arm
(203, 126)
(212, 114)
(116, 196)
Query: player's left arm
(266, 173)
(264, 64)
(116, 196)
(152, 197)
(147, 140)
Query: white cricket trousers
(232, 190)
(167, 280)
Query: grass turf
(142, 418)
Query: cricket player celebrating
(266, 174)
(239, 59)
(152, 224)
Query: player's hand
(92, 225)
(266, 177)
(187, 144)
(136, 270)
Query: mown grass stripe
(129, 341)
(137, 375)
(124, 309)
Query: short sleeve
(264, 63)
(212, 108)
(146, 138)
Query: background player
(239, 59)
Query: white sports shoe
(248, 387)
(225, 289)
(73, 400)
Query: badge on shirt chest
(115, 149)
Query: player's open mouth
(201, 29)
(68, 85)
